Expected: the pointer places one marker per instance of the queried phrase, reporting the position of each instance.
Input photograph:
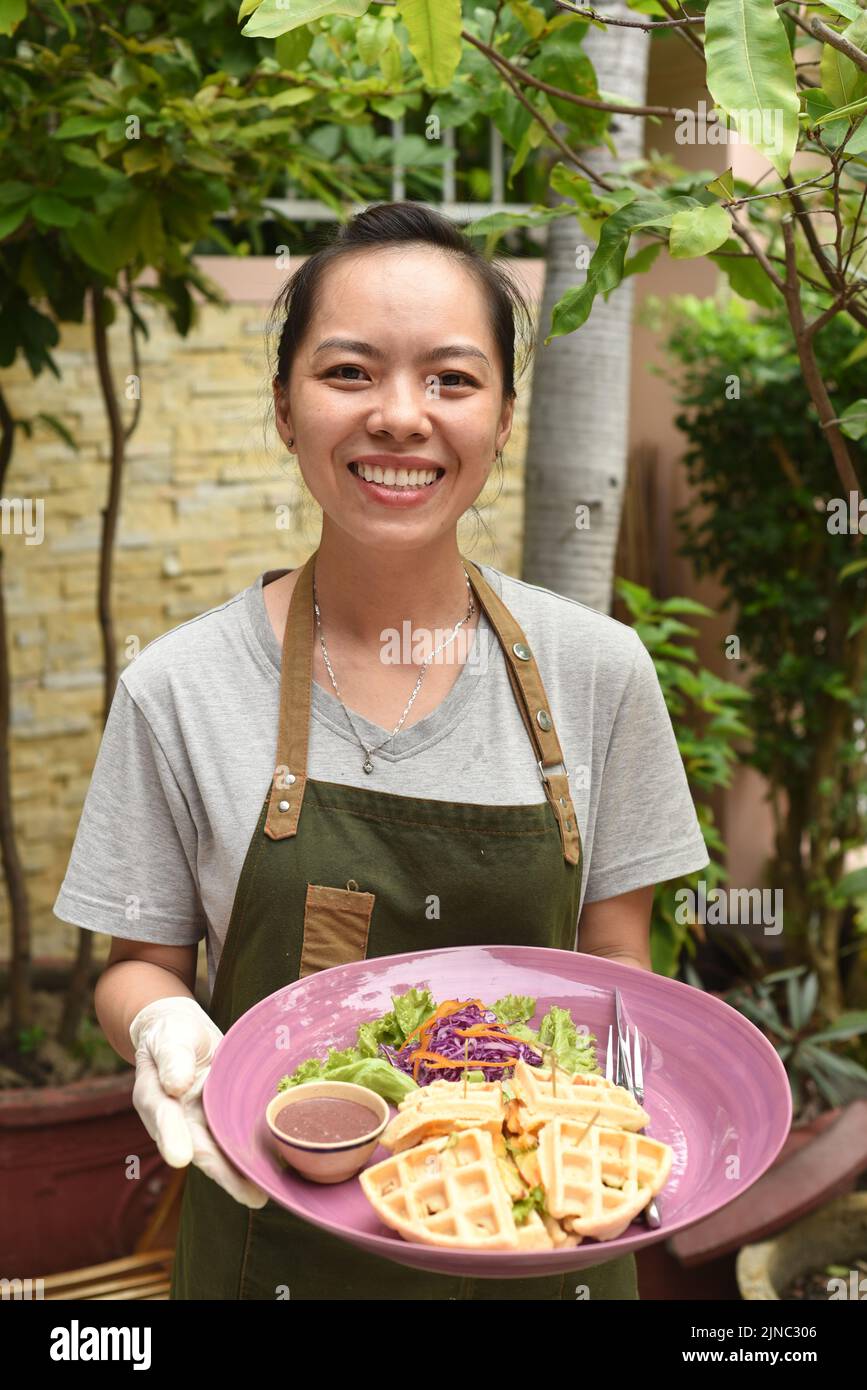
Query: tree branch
(570, 154)
(830, 36)
(810, 367)
(523, 76)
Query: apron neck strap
(296, 680)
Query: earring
(289, 443)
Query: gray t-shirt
(188, 751)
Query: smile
(397, 487)
(396, 477)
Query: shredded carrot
(487, 1030)
(449, 1007)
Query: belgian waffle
(446, 1192)
(578, 1097)
(442, 1108)
(597, 1180)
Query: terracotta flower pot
(834, 1234)
(71, 1191)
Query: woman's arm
(618, 928)
(138, 972)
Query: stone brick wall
(205, 475)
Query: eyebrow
(434, 355)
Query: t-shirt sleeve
(646, 828)
(131, 871)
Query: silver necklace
(367, 765)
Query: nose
(400, 409)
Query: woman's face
(398, 372)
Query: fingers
(162, 1116)
(185, 1052)
(213, 1162)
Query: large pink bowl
(715, 1088)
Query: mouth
(397, 479)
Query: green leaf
(848, 1025)
(291, 49)
(698, 231)
(847, 8)
(746, 276)
(751, 75)
(434, 28)
(12, 217)
(852, 885)
(11, 14)
(505, 221)
(642, 260)
(841, 79)
(275, 17)
(373, 35)
(855, 355)
(723, 186)
(52, 211)
(853, 421)
(850, 110)
(532, 19)
(605, 270)
(856, 567)
(81, 125)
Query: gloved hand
(175, 1041)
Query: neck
(363, 590)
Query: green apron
(361, 874)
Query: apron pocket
(336, 924)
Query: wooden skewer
(466, 1063)
(552, 1059)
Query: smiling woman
(530, 793)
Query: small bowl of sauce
(327, 1130)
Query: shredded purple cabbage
(445, 1041)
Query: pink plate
(715, 1089)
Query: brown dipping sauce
(326, 1120)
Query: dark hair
(394, 224)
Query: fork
(618, 1063)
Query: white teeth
(396, 477)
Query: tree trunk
(78, 988)
(20, 967)
(579, 414)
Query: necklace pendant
(367, 765)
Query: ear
(281, 412)
(507, 416)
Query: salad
(419, 1041)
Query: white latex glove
(175, 1041)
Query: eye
(463, 381)
(345, 367)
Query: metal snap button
(284, 805)
(568, 825)
(543, 719)
(563, 801)
(290, 777)
(522, 651)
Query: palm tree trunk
(579, 414)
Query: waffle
(446, 1192)
(578, 1097)
(533, 1234)
(423, 1096)
(442, 1108)
(597, 1180)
